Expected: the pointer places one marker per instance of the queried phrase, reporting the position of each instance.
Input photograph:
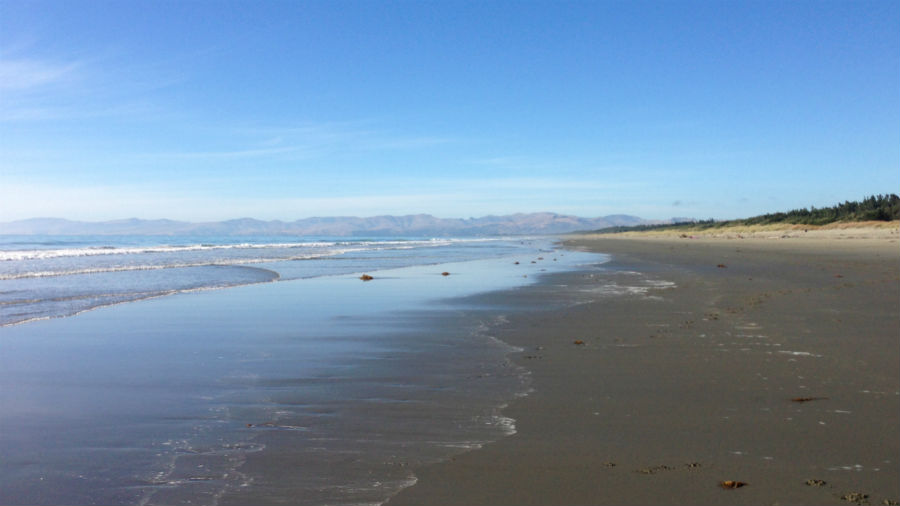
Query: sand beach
(769, 361)
(616, 369)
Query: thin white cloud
(225, 154)
(387, 142)
(25, 75)
(45, 89)
(515, 162)
(563, 167)
(356, 136)
(23, 112)
(310, 141)
(544, 184)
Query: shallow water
(323, 390)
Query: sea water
(298, 383)
(50, 276)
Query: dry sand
(869, 230)
(676, 389)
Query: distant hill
(409, 225)
(873, 208)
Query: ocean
(221, 370)
(50, 276)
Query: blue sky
(284, 110)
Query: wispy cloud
(547, 184)
(357, 136)
(515, 162)
(311, 141)
(26, 75)
(27, 112)
(386, 141)
(47, 89)
(226, 154)
(557, 168)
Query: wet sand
(672, 389)
(325, 390)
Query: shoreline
(678, 388)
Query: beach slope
(684, 363)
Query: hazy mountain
(409, 225)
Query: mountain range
(409, 225)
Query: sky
(205, 111)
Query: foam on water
(40, 254)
